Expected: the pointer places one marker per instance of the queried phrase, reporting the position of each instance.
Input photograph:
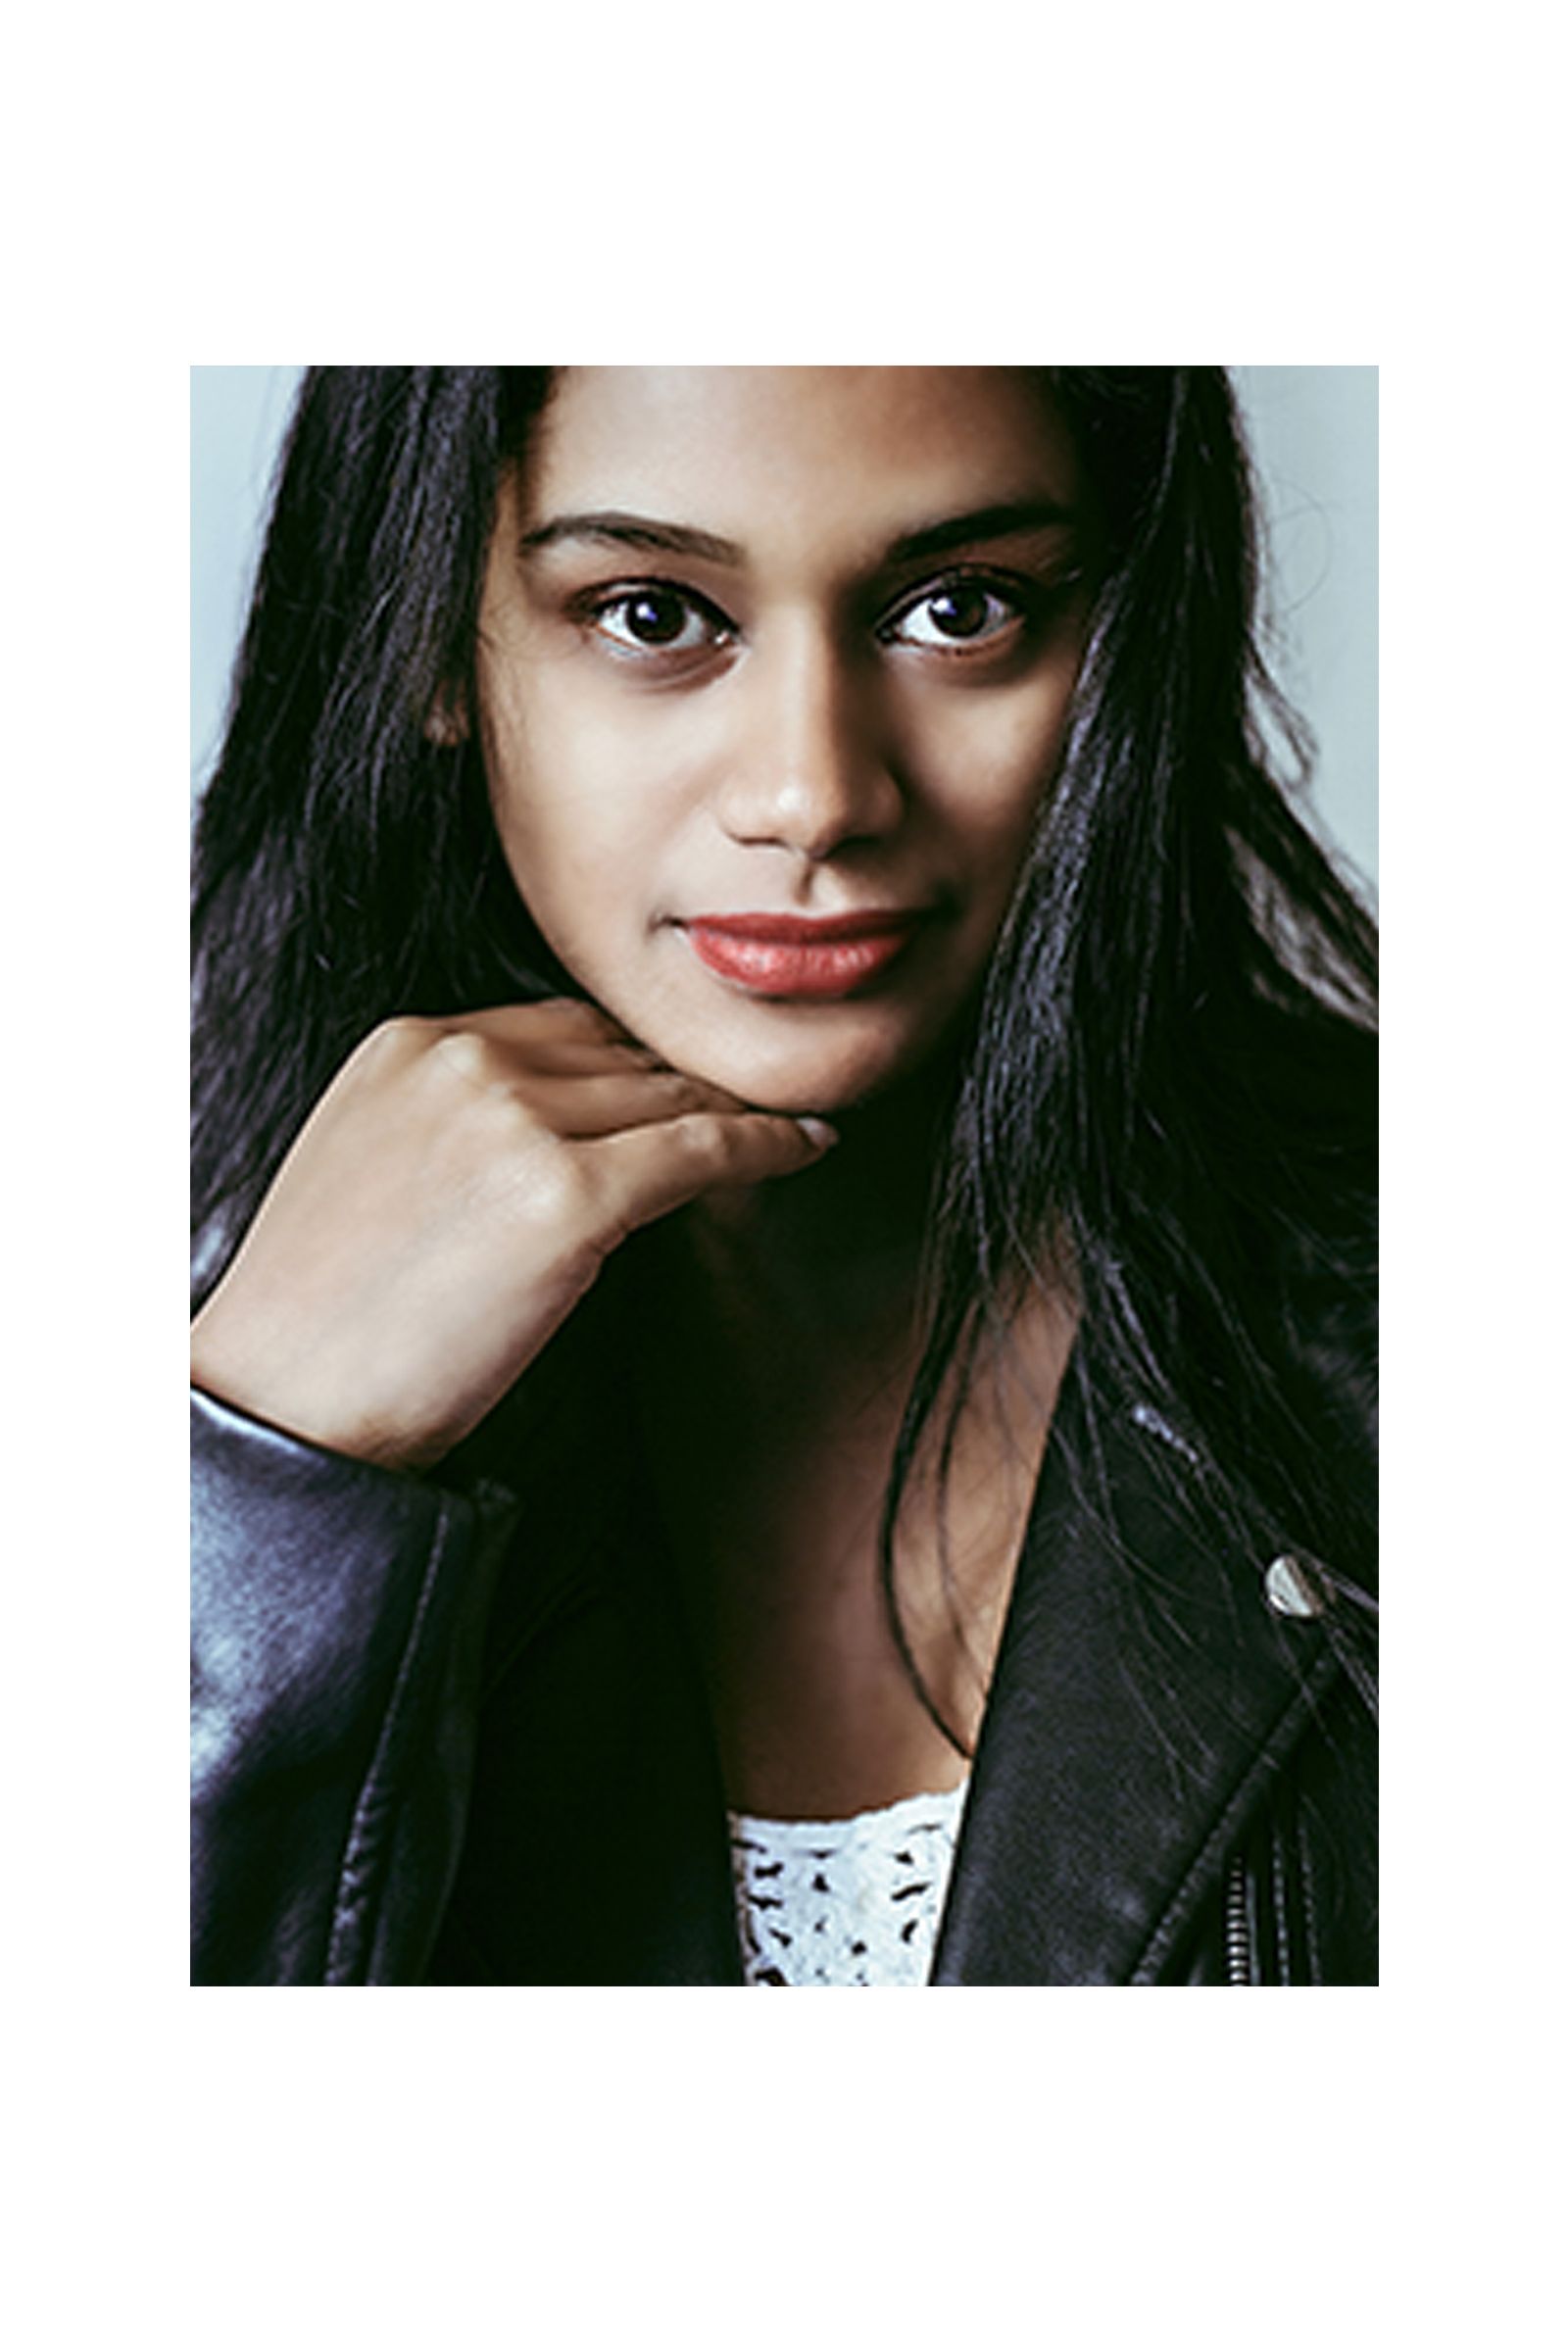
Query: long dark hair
(1168, 1103)
(1169, 1107)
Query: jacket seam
(355, 1889)
(1287, 1731)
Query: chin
(822, 1075)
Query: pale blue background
(1314, 433)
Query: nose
(808, 768)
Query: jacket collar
(1102, 1805)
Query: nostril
(813, 813)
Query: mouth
(790, 955)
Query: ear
(446, 722)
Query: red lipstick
(801, 955)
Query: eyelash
(595, 610)
(1027, 600)
(1024, 598)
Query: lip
(811, 956)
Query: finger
(644, 1173)
(550, 1021)
(575, 1087)
(579, 1105)
(566, 1057)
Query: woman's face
(774, 665)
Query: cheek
(991, 764)
(589, 829)
(553, 791)
(585, 781)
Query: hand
(447, 1203)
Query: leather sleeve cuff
(337, 1616)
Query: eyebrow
(634, 530)
(1008, 521)
(1004, 520)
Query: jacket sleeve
(337, 1621)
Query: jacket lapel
(597, 1848)
(1103, 1801)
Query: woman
(784, 1172)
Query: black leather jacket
(458, 1739)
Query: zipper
(1237, 1936)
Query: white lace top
(845, 1902)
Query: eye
(956, 613)
(657, 620)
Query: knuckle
(560, 1189)
(394, 1041)
(463, 1053)
(713, 1141)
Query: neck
(775, 1348)
(828, 1255)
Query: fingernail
(818, 1130)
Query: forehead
(753, 453)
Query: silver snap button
(1290, 1590)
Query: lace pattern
(845, 1902)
